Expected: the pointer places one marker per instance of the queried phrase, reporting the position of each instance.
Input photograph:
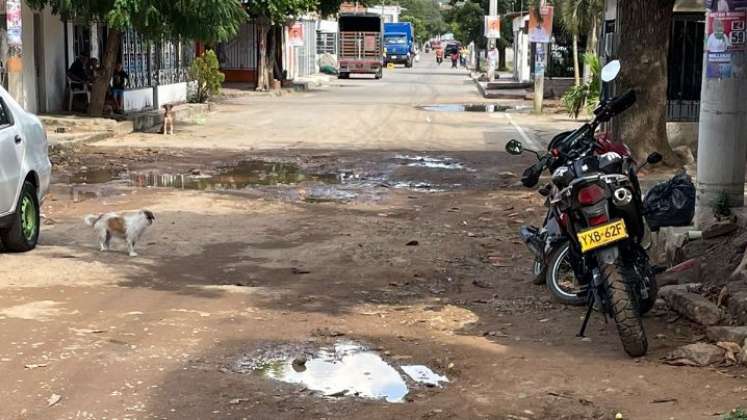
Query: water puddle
(469, 108)
(345, 369)
(245, 174)
(430, 162)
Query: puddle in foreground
(245, 174)
(469, 108)
(345, 369)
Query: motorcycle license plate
(600, 236)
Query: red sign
(726, 31)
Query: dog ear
(149, 215)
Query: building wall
(54, 67)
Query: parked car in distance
(25, 171)
(451, 48)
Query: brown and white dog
(169, 118)
(128, 226)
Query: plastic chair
(73, 91)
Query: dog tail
(91, 219)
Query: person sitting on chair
(78, 71)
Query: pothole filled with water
(471, 108)
(430, 162)
(344, 369)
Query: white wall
(172, 94)
(29, 72)
(138, 99)
(54, 62)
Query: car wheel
(23, 232)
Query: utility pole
(540, 60)
(722, 134)
(15, 50)
(492, 12)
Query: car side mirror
(514, 147)
(654, 158)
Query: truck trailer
(360, 44)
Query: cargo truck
(360, 45)
(399, 43)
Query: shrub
(736, 414)
(205, 71)
(587, 94)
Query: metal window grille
(146, 62)
(326, 42)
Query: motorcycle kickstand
(586, 318)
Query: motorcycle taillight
(598, 220)
(590, 195)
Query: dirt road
(259, 260)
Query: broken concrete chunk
(725, 333)
(719, 229)
(690, 305)
(698, 354)
(686, 272)
(738, 306)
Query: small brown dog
(169, 118)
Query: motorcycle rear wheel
(620, 281)
(561, 279)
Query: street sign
(540, 30)
(492, 27)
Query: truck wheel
(379, 74)
(343, 76)
(23, 232)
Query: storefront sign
(725, 5)
(492, 27)
(540, 30)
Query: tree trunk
(643, 52)
(104, 74)
(576, 70)
(591, 47)
(263, 69)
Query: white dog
(128, 226)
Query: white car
(25, 171)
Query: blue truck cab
(399, 42)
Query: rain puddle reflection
(345, 369)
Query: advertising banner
(540, 30)
(493, 27)
(295, 35)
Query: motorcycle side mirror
(514, 147)
(610, 71)
(654, 158)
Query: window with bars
(326, 42)
(146, 62)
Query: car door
(12, 149)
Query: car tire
(23, 232)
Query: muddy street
(349, 263)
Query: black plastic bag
(670, 203)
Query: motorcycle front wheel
(620, 281)
(561, 279)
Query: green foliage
(736, 414)
(279, 11)
(467, 21)
(205, 71)
(586, 94)
(205, 20)
(425, 16)
(577, 16)
(722, 207)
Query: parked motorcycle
(596, 202)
